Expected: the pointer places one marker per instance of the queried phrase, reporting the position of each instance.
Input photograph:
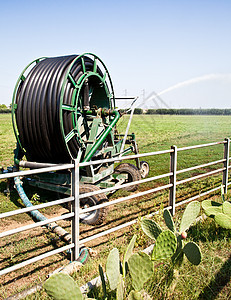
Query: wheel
(97, 216)
(144, 169)
(133, 175)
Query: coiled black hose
(38, 114)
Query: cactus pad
(151, 228)
(168, 220)
(140, 268)
(165, 245)
(128, 253)
(178, 256)
(189, 216)
(102, 280)
(211, 208)
(226, 208)
(113, 268)
(62, 287)
(120, 289)
(193, 253)
(134, 295)
(223, 220)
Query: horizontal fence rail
(37, 171)
(75, 198)
(34, 225)
(38, 206)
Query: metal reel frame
(99, 71)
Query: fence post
(226, 165)
(75, 209)
(172, 190)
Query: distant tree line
(137, 111)
(181, 111)
(4, 109)
(160, 111)
(189, 111)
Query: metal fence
(75, 198)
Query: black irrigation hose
(38, 109)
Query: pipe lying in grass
(69, 269)
(62, 233)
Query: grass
(7, 140)
(209, 280)
(153, 133)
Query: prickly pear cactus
(168, 220)
(120, 289)
(128, 253)
(141, 269)
(211, 208)
(151, 228)
(189, 216)
(134, 295)
(226, 208)
(169, 243)
(220, 212)
(113, 268)
(178, 256)
(223, 220)
(165, 245)
(193, 253)
(102, 280)
(62, 287)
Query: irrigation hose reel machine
(63, 108)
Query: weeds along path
(153, 133)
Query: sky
(147, 46)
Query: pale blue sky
(146, 45)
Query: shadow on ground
(220, 282)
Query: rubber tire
(133, 175)
(144, 169)
(98, 216)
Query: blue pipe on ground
(35, 213)
(83, 255)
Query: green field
(7, 140)
(156, 132)
(153, 133)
